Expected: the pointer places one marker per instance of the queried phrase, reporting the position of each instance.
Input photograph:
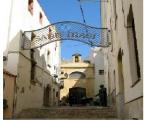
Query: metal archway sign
(66, 30)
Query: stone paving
(68, 113)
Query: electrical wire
(82, 12)
(83, 16)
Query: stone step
(68, 112)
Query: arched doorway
(46, 101)
(121, 86)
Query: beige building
(123, 60)
(77, 73)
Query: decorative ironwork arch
(66, 30)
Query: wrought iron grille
(66, 30)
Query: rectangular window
(41, 18)
(101, 72)
(30, 6)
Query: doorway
(76, 94)
(46, 96)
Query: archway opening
(77, 75)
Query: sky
(69, 10)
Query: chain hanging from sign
(66, 30)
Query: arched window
(77, 75)
(40, 18)
(133, 49)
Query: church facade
(77, 73)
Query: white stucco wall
(18, 19)
(5, 10)
(21, 20)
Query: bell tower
(76, 57)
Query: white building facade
(123, 60)
(37, 83)
(97, 58)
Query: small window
(30, 6)
(41, 18)
(101, 72)
(48, 53)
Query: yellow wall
(88, 82)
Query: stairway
(68, 112)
